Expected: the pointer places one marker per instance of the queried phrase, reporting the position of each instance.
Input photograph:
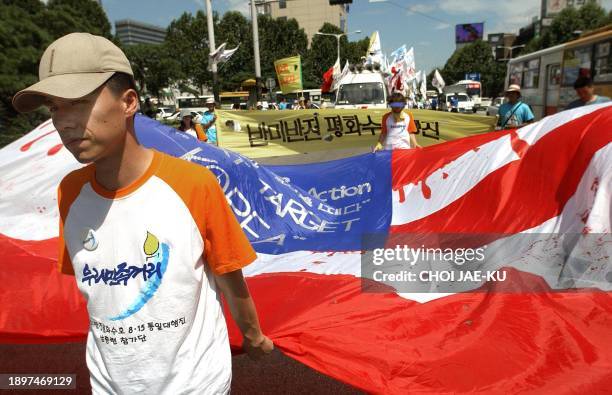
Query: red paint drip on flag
(55, 149)
(402, 195)
(27, 146)
(426, 190)
(519, 146)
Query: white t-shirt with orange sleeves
(397, 133)
(143, 258)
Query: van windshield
(364, 93)
(459, 97)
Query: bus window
(554, 75)
(576, 62)
(516, 74)
(603, 62)
(531, 77)
(472, 89)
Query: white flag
(374, 54)
(398, 54)
(419, 77)
(338, 77)
(437, 81)
(409, 64)
(220, 55)
(424, 87)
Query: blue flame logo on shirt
(152, 271)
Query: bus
(546, 77)
(470, 87)
(230, 99)
(192, 103)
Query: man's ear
(130, 102)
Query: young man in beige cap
(514, 113)
(149, 238)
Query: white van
(465, 103)
(365, 89)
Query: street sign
(270, 83)
(472, 76)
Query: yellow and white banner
(260, 134)
(289, 74)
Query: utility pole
(211, 46)
(256, 49)
(338, 36)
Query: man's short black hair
(582, 82)
(120, 82)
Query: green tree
(187, 39)
(353, 51)
(322, 55)
(68, 16)
(21, 43)
(279, 39)
(324, 52)
(27, 27)
(235, 29)
(475, 58)
(30, 6)
(566, 25)
(154, 66)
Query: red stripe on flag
(495, 343)
(378, 342)
(520, 195)
(39, 304)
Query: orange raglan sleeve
(67, 192)
(411, 125)
(226, 247)
(64, 264)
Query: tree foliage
(324, 52)
(27, 27)
(568, 23)
(187, 42)
(154, 66)
(235, 29)
(475, 58)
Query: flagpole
(256, 49)
(211, 46)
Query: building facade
(310, 14)
(501, 45)
(134, 32)
(550, 8)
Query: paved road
(276, 375)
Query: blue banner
(314, 207)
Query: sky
(428, 26)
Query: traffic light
(339, 2)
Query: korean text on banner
(275, 133)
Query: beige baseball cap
(73, 66)
(514, 88)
